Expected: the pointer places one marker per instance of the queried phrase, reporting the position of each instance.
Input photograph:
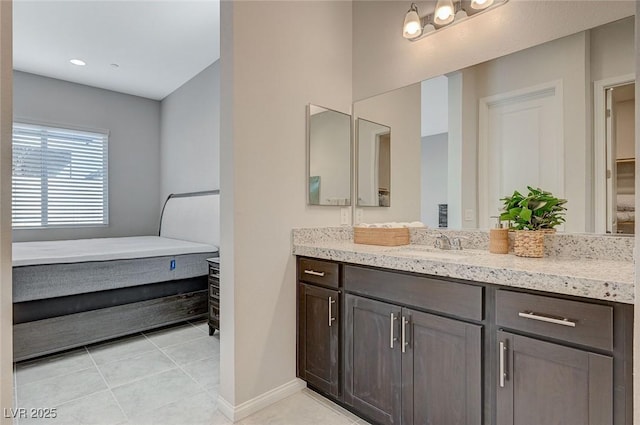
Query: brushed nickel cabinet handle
(314, 273)
(404, 333)
(502, 351)
(391, 339)
(331, 318)
(543, 318)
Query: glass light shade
(412, 27)
(481, 4)
(444, 13)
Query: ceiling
(157, 45)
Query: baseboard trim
(241, 411)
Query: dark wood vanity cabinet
(418, 349)
(556, 361)
(546, 383)
(319, 324)
(405, 366)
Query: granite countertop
(591, 278)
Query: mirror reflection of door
(620, 148)
(374, 164)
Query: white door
(520, 145)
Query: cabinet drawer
(214, 291)
(453, 298)
(572, 321)
(214, 271)
(319, 272)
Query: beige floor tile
(97, 409)
(206, 371)
(330, 404)
(198, 349)
(139, 398)
(174, 335)
(48, 367)
(52, 392)
(120, 349)
(133, 368)
(298, 409)
(199, 409)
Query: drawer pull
(314, 273)
(331, 318)
(502, 351)
(555, 320)
(404, 334)
(391, 339)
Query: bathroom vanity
(414, 335)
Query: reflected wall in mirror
(328, 156)
(523, 119)
(373, 164)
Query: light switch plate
(359, 214)
(344, 215)
(468, 215)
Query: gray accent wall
(134, 149)
(190, 135)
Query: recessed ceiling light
(78, 62)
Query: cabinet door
(545, 383)
(372, 359)
(318, 321)
(441, 370)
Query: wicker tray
(381, 236)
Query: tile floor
(162, 377)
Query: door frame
(600, 147)
(553, 88)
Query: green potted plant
(532, 216)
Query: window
(59, 177)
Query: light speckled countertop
(592, 278)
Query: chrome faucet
(444, 242)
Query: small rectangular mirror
(328, 157)
(374, 164)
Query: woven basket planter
(529, 243)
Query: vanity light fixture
(446, 13)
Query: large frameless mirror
(328, 157)
(374, 164)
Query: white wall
(134, 149)
(276, 57)
(190, 135)
(6, 306)
(607, 62)
(433, 177)
(435, 106)
(384, 61)
(400, 110)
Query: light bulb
(481, 4)
(412, 27)
(444, 13)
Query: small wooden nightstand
(214, 294)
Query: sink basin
(425, 251)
